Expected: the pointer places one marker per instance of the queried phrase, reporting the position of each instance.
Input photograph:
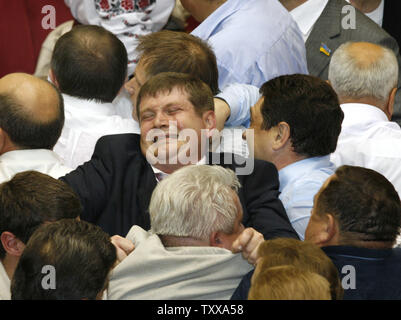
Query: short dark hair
(365, 204)
(310, 107)
(90, 62)
(199, 93)
(24, 130)
(31, 198)
(170, 51)
(82, 256)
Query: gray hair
(352, 79)
(195, 201)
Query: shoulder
(127, 141)
(247, 169)
(118, 148)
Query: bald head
(365, 54)
(361, 70)
(39, 99)
(31, 111)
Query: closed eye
(147, 116)
(173, 110)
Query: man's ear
(215, 239)
(329, 231)
(389, 108)
(209, 118)
(53, 78)
(332, 229)
(5, 142)
(11, 244)
(282, 135)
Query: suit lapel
(147, 185)
(325, 30)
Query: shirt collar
(358, 252)
(162, 174)
(307, 14)
(359, 113)
(297, 169)
(84, 106)
(34, 155)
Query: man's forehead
(164, 98)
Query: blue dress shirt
(254, 41)
(299, 182)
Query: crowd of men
(255, 158)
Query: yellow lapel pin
(325, 49)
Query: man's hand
(248, 243)
(123, 247)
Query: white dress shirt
(42, 160)
(307, 14)
(5, 284)
(85, 122)
(368, 139)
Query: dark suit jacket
(116, 185)
(391, 24)
(328, 30)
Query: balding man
(31, 120)
(89, 66)
(364, 75)
(325, 25)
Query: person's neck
(292, 4)
(366, 244)
(366, 6)
(10, 264)
(206, 8)
(173, 241)
(285, 160)
(370, 101)
(169, 168)
(8, 146)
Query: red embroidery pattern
(117, 7)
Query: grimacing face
(165, 122)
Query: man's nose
(161, 120)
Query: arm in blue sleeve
(240, 98)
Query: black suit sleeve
(91, 181)
(265, 212)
